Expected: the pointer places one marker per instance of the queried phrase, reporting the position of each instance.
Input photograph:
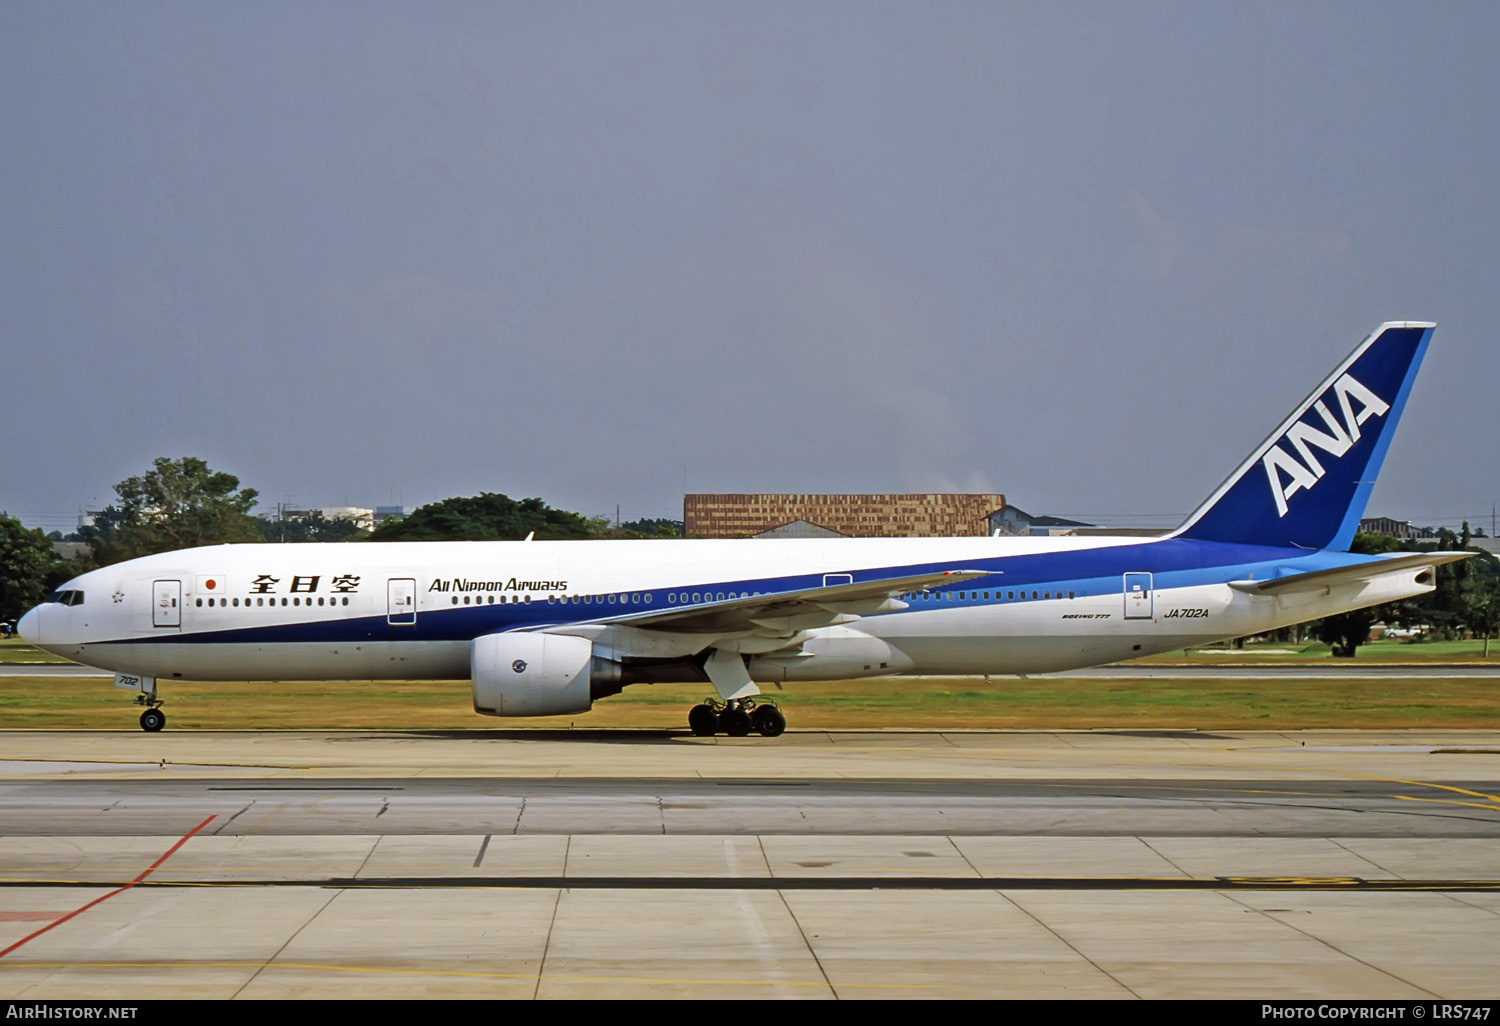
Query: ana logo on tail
(1303, 437)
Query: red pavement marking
(118, 890)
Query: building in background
(1397, 529)
(1013, 520)
(803, 515)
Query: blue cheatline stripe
(1175, 563)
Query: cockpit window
(67, 598)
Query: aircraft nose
(30, 627)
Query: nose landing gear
(152, 719)
(737, 717)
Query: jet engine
(526, 674)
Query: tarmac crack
(1067, 943)
(1267, 913)
(243, 809)
(287, 943)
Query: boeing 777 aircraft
(545, 628)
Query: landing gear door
(1138, 601)
(166, 604)
(401, 602)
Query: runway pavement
(598, 863)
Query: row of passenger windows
(263, 602)
(620, 598)
(975, 596)
(690, 598)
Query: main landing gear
(737, 718)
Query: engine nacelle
(527, 674)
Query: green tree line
(1466, 596)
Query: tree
(488, 516)
(28, 562)
(178, 504)
(1480, 596)
(652, 527)
(1347, 631)
(312, 528)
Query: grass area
(928, 702)
(1391, 652)
(14, 650)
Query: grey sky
(1083, 254)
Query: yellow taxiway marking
(1449, 801)
(1494, 800)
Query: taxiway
(596, 863)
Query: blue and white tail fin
(1307, 484)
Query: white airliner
(545, 628)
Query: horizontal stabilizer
(1348, 574)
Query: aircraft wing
(791, 611)
(1348, 574)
